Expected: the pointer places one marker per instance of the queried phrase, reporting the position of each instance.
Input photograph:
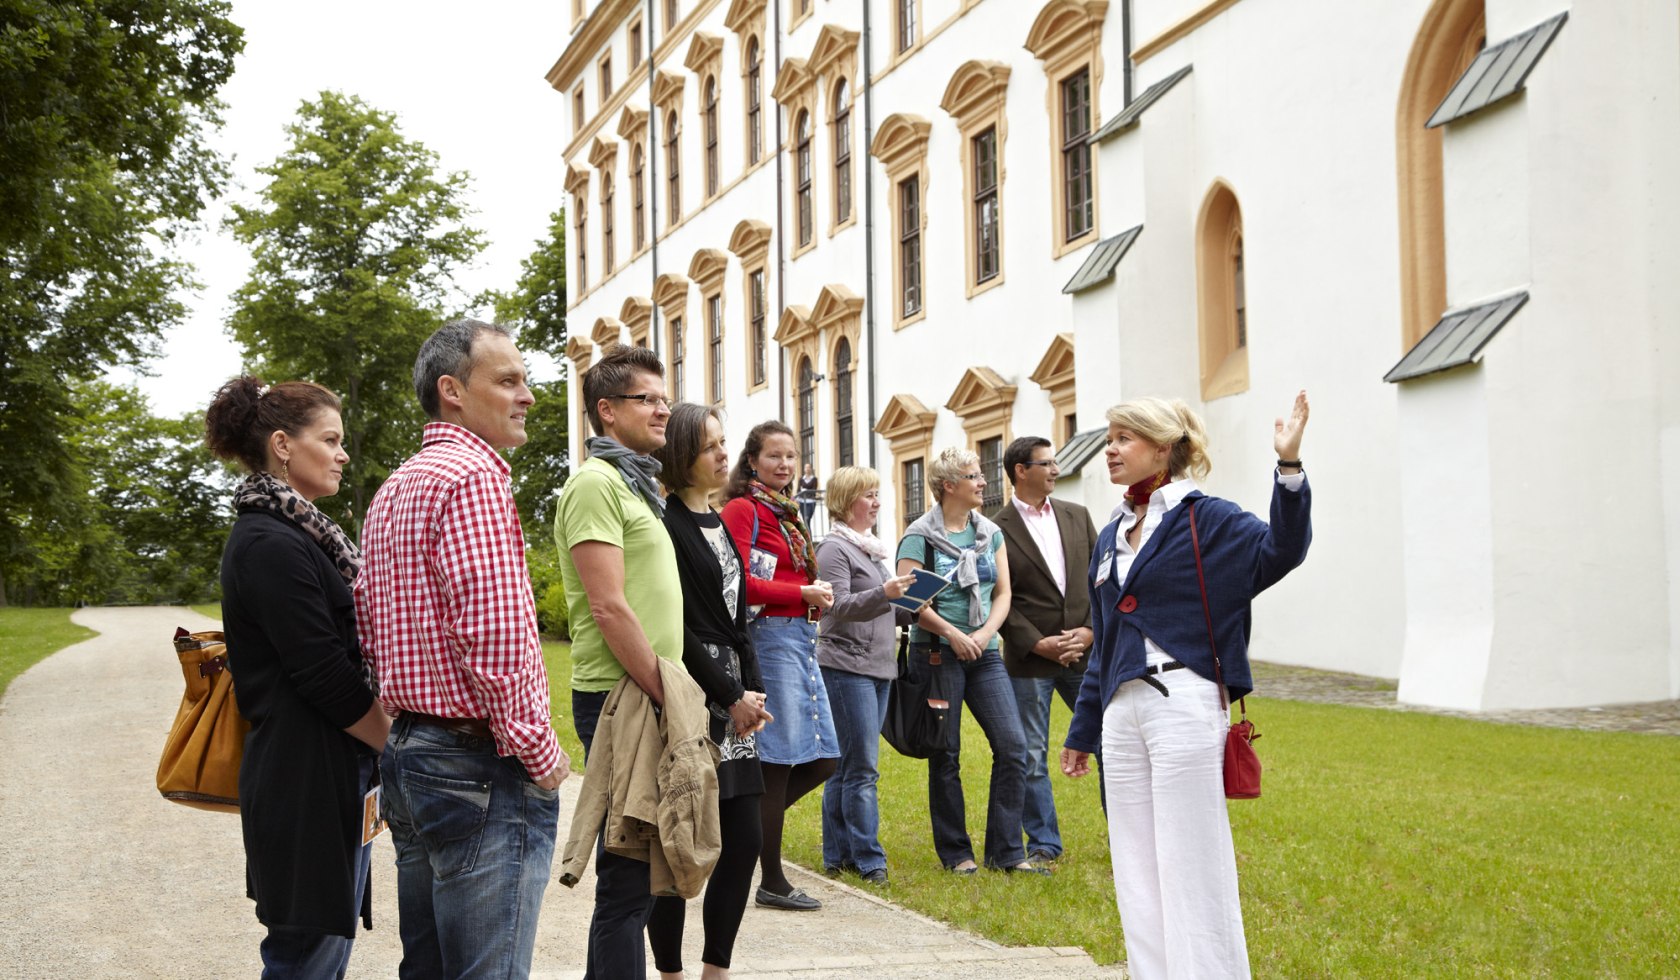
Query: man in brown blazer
(1049, 625)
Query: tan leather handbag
(200, 765)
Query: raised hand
(1286, 433)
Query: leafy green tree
(537, 306)
(355, 242)
(105, 108)
(150, 511)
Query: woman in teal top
(956, 635)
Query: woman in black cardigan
(316, 730)
(717, 652)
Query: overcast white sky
(464, 79)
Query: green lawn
(1388, 844)
(28, 635)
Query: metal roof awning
(1100, 264)
(1079, 450)
(1457, 339)
(1129, 116)
(1497, 73)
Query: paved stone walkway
(1304, 684)
(103, 878)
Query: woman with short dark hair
(312, 754)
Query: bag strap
(1207, 614)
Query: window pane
(991, 467)
(1078, 200)
(760, 340)
(677, 358)
(807, 412)
(843, 401)
(914, 491)
(910, 246)
(714, 314)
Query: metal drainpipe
(869, 229)
(651, 191)
(781, 231)
(1126, 52)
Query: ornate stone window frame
(1055, 374)
(795, 91)
(582, 354)
(834, 59)
(670, 294)
(907, 425)
(986, 404)
(633, 129)
(668, 100)
(577, 185)
(637, 314)
(1067, 37)
(603, 156)
(976, 98)
(838, 315)
(705, 60)
(901, 144)
(745, 19)
(707, 270)
(751, 244)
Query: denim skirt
(794, 693)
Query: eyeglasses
(1040, 462)
(651, 401)
(971, 476)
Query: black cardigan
(296, 666)
(705, 618)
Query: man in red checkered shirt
(471, 770)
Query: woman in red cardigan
(798, 750)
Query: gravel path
(103, 878)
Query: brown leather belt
(460, 726)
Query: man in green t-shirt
(624, 600)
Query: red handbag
(1242, 766)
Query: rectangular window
(842, 158)
(607, 249)
(906, 24)
(807, 415)
(760, 335)
(910, 246)
(1239, 292)
(673, 168)
(711, 114)
(676, 358)
(985, 205)
(638, 202)
(843, 429)
(755, 100)
(914, 492)
(672, 15)
(1077, 195)
(991, 467)
(606, 79)
(577, 110)
(582, 235)
(635, 45)
(714, 329)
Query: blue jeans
(309, 955)
(623, 896)
(983, 685)
(474, 840)
(1032, 697)
(851, 816)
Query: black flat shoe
(794, 901)
(876, 877)
(1027, 869)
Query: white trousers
(1175, 873)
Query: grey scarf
(640, 472)
(931, 526)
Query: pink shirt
(1047, 534)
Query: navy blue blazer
(1242, 557)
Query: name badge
(373, 820)
(1105, 567)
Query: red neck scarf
(1138, 494)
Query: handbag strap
(1207, 614)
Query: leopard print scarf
(261, 491)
